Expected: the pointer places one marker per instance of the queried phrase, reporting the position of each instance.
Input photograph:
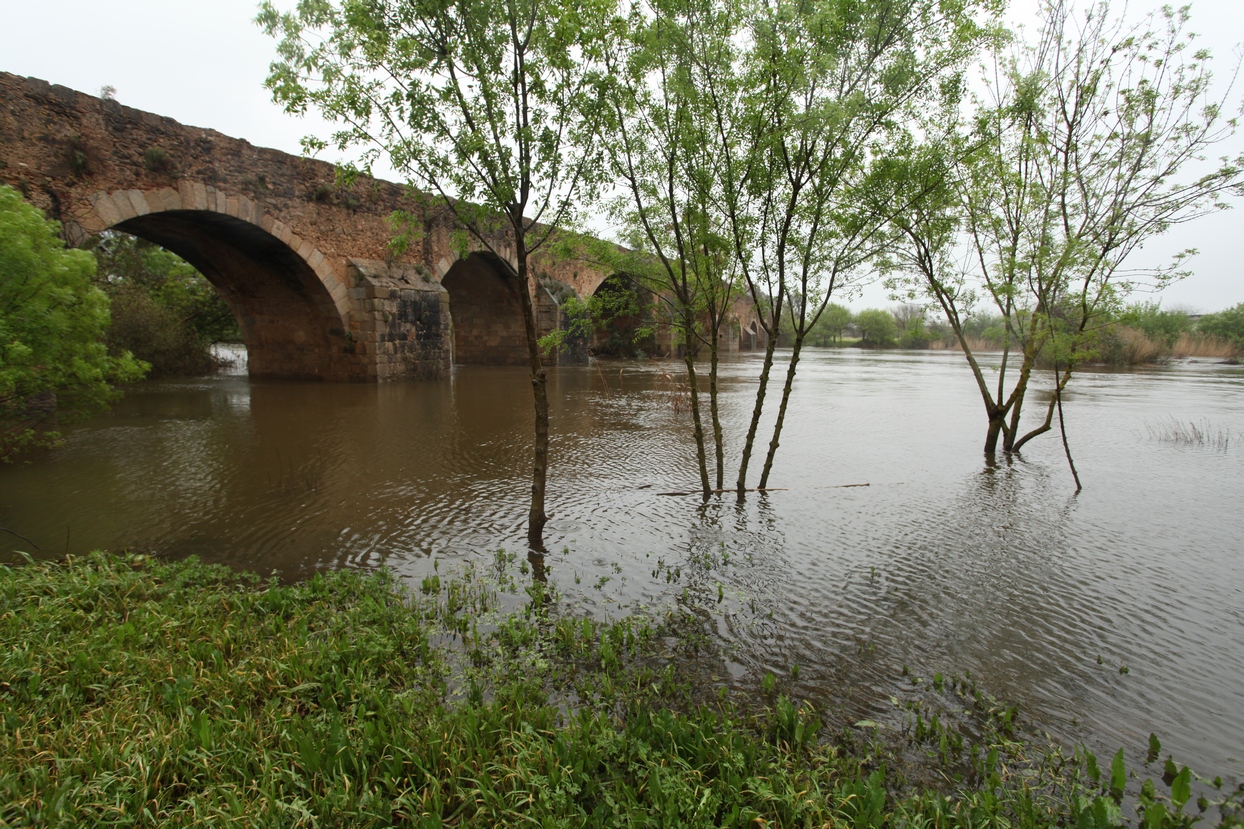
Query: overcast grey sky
(203, 63)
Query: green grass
(135, 692)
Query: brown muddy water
(1105, 615)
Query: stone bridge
(307, 266)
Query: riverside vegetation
(139, 692)
(1141, 333)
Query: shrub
(1162, 327)
(144, 327)
(53, 361)
(157, 160)
(164, 311)
(76, 157)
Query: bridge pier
(400, 326)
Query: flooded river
(1105, 615)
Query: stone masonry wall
(307, 265)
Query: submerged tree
(54, 366)
(827, 85)
(670, 58)
(744, 133)
(491, 105)
(1086, 143)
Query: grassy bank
(138, 692)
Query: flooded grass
(1190, 433)
(143, 693)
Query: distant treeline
(1134, 335)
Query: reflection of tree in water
(978, 587)
(958, 585)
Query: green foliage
(163, 310)
(430, 85)
(157, 160)
(621, 311)
(76, 156)
(989, 329)
(1227, 325)
(54, 365)
(877, 328)
(915, 335)
(913, 329)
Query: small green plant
(157, 160)
(322, 193)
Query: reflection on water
(941, 563)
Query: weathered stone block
(125, 207)
(106, 209)
(139, 200)
(170, 199)
(247, 210)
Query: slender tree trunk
(1056, 403)
(536, 518)
(1062, 427)
(718, 442)
(693, 385)
(757, 409)
(777, 427)
(1016, 407)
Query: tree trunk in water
(713, 410)
(536, 518)
(777, 427)
(1062, 427)
(697, 422)
(1015, 406)
(757, 409)
(996, 424)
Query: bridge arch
(293, 309)
(486, 310)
